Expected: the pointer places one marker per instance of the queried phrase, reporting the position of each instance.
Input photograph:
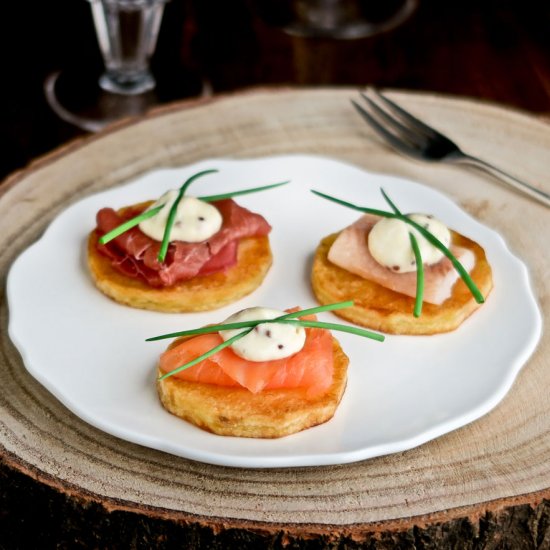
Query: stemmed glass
(343, 19)
(127, 32)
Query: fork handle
(533, 192)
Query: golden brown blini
(238, 412)
(198, 294)
(379, 308)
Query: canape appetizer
(180, 253)
(262, 373)
(407, 274)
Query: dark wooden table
(496, 50)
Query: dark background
(495, 50)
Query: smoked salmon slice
(310, 369)
(350, 252)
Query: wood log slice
(64, 483)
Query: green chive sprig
(145, 215)
(288, 318)
(173, 210)
(172, 213)
(419, 294)
(390, 202)
(476, 293)
(231, 194)
(208, 354)
(419, 299)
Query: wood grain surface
(491, 476)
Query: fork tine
(421, 126)
(411, 135)
(400, 145)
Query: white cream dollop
(195, 220)
(266, 341)
(389, 242)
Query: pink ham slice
(350, 252)
(135, 254)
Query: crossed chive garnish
(288, 319)
(419, 295)
(476, 293)
(173, 210)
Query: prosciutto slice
(135, 254)
(351, 252)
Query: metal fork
(413, 138)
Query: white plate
(91, 352)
